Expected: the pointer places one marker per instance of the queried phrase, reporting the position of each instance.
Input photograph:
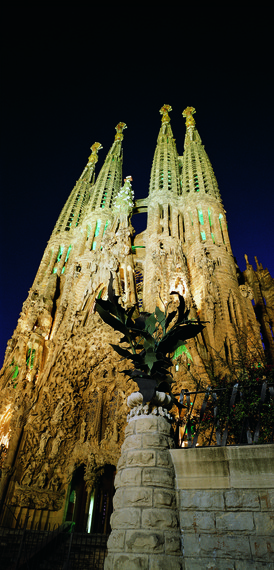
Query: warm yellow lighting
(5, 426)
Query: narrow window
(201, 218)
(221, 226)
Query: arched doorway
(77, 500)
(101, 502)
(91, 513)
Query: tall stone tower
(63, 407)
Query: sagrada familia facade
(63, 394)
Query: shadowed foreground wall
(226, 504)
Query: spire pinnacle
(164, 111)
(188, 113)
(119, 128)
(93, 158)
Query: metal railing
(60, 549)
(230, 415)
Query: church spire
(165, 170)
(197, 172)
(72, 211)
(109, 179)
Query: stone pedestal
(145, 525)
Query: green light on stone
(107, 222)
(60, 252)
(94, 245)
(97, 229)
(201, 218)
(203, 235)
(68, 252)
(213, 238)
(209, 217)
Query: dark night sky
(70, 75)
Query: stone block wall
(145, 523)
(226, 504)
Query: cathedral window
(201, 218)
(106, 225)
(97, 229)
(60, 253)
(221, 226)
(30, 358)
(66, 259)
(104, 198)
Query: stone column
(145, 525)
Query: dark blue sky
(71, 75)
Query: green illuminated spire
(109, 179)
(197, 172)
(72, 211)
(165, 170)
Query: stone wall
(226, 503)
(145, 523)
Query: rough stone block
(145, 541)
(129, 562)
(235, 521)
(159, 518)
(116, 540)
(225, 546)
(122, 461)
(262, 549)
(173, 543)
(130, 428)
(138, 496)
(141, 457)
(251, 467)
(201, 468)
(163, 425)
(208, 564)
(118, 498)
(108, 565)
(153, 440)
(251, 565)
(197, 521)
(202, 500)
(264, 523)
(267, 499)
(163, 459)
(144, 425)
(131, 477)
(190, 544)
(158, 477)
(242, 499)
(126, 518)
(165, 563)
(132, 442)
(164, 498)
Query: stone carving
(68, 407)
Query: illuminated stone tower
(63, 407)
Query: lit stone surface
(150, 506)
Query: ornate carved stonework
(64, 396)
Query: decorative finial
(93, 158)
(164, 111)
(188, 113)
(119, 128)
